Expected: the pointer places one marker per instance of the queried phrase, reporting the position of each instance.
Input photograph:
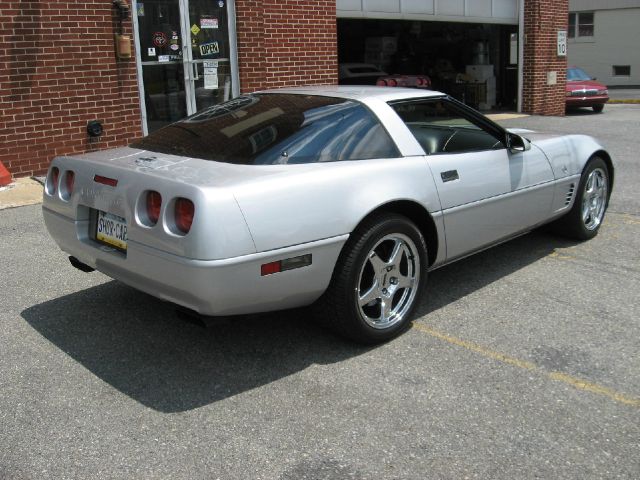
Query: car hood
(584, 85)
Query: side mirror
(516, 143)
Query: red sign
(160, 39)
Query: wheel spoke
(396, 255)
(385, 311)
(404, 281)
(590, 181)
(376, 262)
(370, 295)
(586, 210)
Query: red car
(413, 81)
(584, 91)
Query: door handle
(195, 71)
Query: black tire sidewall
(364, 241)
(578, 224)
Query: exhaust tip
(83, 267)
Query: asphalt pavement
(522, 363)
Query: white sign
(210, 48)
(208, 23)
(211, 79)
(562, 43)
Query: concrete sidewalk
(22, 191)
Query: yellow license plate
(112, 230)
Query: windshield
(575, 73)
(267, 129)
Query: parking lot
(522, 363)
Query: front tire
(585, 217)
(377, 281)
(598, 108)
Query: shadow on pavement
(459, 279)
(141, 347)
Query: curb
(5, 176)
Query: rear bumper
(211, 287)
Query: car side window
(441, 128)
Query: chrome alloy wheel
(594, 199)
(388, 281)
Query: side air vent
(570, 192)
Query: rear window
(272, 129)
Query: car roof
(360, 93)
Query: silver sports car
(341, 197)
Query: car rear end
(166, 225)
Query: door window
(440, 127)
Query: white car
(342, 197)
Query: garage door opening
(473, 62)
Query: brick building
(134, 66)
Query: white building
(604, 40)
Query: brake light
(184, 214)
(381, 83)
(55, 176)
(112, 182)
(69, 180)
(392, 82)
(154, 202)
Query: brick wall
(542, 20)
(286, 43)
(58, 70)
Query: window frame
(472, 116)
(574, 24)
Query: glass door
(184, 50)
(208, 62)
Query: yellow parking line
(557, 376)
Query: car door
(487, 192)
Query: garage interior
(475, 63)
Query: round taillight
(55, 176)
(154, 202)
(381, 83)
(392, 82)
(420, 81)
(184, 214)
(69, 180)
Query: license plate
(112, 230)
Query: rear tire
(598, 108)
(377, 281)
(585, 217)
